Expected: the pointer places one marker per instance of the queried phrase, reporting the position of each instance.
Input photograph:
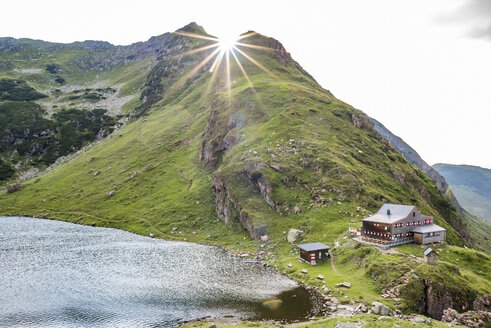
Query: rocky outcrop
(473, 319)
(294, 235)
(226, 206)
(431, 298)
(482, 303)
(219, 136)
(361, 122)
(13, 188)
(436, 299)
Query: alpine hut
(396, 224)
(314, 252)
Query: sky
(420, 67)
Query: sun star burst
(224, 49)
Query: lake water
(58, 274)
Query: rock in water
(294, 235)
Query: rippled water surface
(57, 274)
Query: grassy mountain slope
(472, 187)
(201, 162)
(56, 98)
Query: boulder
(13, 188)
(379, 308)
(304, 271)
(344, 284)
(265, 238)
(294, 235)
(110, 193)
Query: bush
(18, 90)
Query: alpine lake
(59, 274)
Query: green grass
(360, 320)
(286, 133)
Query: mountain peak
(192, 27)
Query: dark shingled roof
(313, 247)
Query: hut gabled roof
(428, 251)
(313, 247)
(390, 213)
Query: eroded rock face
(436, 297)
(228, 207)
(436, 300)
(219, 136)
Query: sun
(227, 42)
(222, 51)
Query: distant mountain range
(471, 185)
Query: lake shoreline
(319, 298)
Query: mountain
(195, 155)
(479, 231)
(472, 187)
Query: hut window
(414, 214)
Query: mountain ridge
(220, 135)
(238, 162)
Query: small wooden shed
(431, 256)
(314, 252)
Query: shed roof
(313, 247)
(428, 228)
(397, 212)
(428, 251)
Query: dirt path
(332, 262)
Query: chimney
(388, 212)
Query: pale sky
(420, 67)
